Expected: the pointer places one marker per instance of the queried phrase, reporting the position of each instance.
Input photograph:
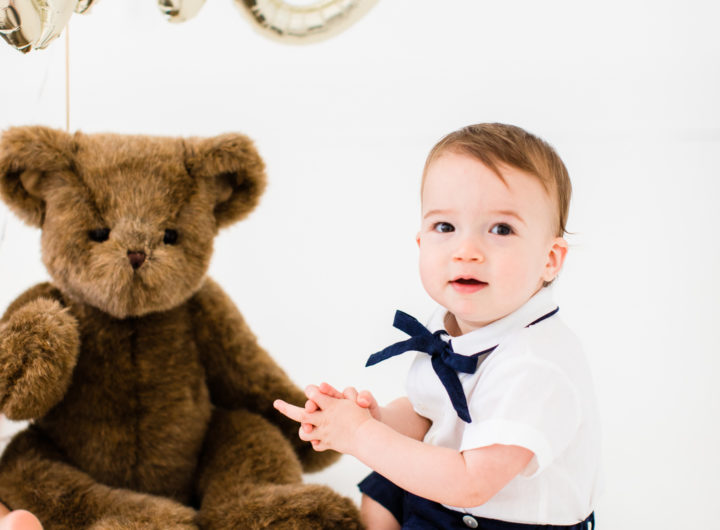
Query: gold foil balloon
(293, 23)
(31, 24)
(180, 10)
(55, 15)
(83, 5)
(20, 24)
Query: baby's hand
(335, 423)
(363, 399)
(311, 406)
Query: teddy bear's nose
(136, 257)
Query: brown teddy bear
(150, 399)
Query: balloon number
(33, 24)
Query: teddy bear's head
(128, 222)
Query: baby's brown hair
(496, 144)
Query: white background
(627, 91)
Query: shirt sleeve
(526, 402)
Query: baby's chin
(462, 320)
(461, 325)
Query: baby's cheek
(428, 271)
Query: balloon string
(67, 78)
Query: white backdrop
(627, 91)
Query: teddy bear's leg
(34, 477)
(250, 477)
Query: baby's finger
(308, 435)
(307, 427)
(319, 446)
(291, 411)
(329, 390)
(366, 399)
(310, 406)
(350, 393)
(311, 389)
(313, 393)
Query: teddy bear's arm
(241, 374)
(39, 344)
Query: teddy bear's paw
(148, 513)
(39, 345)
(284, 507)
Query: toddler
(499, 429)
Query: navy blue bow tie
(445, 361)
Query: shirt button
(470, 521)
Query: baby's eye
(99, 234)
(443, 227)
(501, 229)
(171, 236)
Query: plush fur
(150, 398)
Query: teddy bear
(149, 398)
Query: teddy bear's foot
(284, 507)
(131, 511)
(140, 523)
(34, 477)
(145, 522)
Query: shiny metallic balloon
(83, 5)
(55, 15)
(20, 24)
(292, 23)
(31, 24)
(180, 10)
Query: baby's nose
(468, 250)
(136, 257)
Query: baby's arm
(401, 417)
(463, 479)
(437, 473)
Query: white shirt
(534, 390)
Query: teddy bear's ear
(236, 172)
(28, 155)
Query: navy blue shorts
(416, 513)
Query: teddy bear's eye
(99, 234)
(171, 237)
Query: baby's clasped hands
(332, 419)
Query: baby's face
(486, 246)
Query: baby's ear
(29, 158)
(236, 170)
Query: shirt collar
(491, 335)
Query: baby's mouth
(468, 280)
(467, 285)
